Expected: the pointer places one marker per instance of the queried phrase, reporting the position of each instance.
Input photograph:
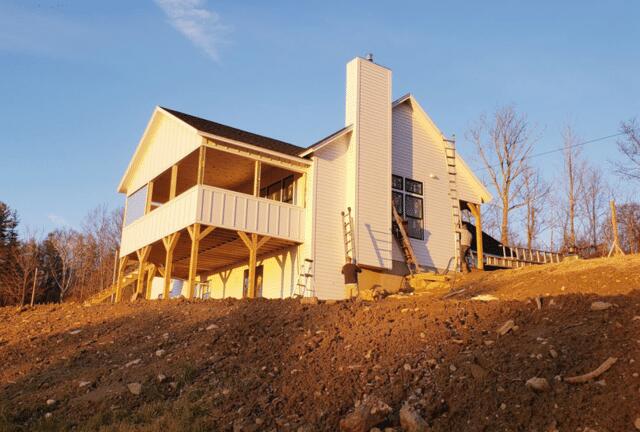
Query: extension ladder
(450, 156)
(348, 234)
(303, 286)
(405, 243)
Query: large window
(409, 205)
(136, 203)
(282, 190)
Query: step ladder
(400, 233)
(348, 234)
(450, 156)
(305, 279)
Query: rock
(75, 332)
(133, 362)
(48, 415)
(478, 372)
(84, 383)
(375, 429)
(51, 402)
(161, 378)
(212, 327)
(135, 388)
(538, 384)
(453, 368)
(553, 353)
(407, 367)
(484, 298)
(371, 412)
(637, 423)
(258, 421)
(506, 328)
(135, 296)
(503, 406)
(309, 300)
(410, 420)
(599, 306)
(160, 353)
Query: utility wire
(557, 149)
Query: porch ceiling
(220, 249)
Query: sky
(80, 79)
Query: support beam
(194, 233)
(257, 172)
(147, 205)
(254, 245)
(122, 263)
(475, 210)
(143, 256)
(174, 182)
(202, 155)
(151, 273)
(169, 243)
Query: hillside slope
(280, 365)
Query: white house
(214, 211)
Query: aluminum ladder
(400, 233)
(348, 234)
(305, 278)
(450, 156)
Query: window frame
(408, 180)
(396, 177)
(401, 195)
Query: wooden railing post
(475, 210)
(170, 243)
(143, 255)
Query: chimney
(368, 109)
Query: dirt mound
(280, 365)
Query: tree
(66, 243)
(572, 176)
(9, 274)
(534, 195)
(629, 146)
(504, 143)
(594, 202)
(27, 261)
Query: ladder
(450, 156)
(305, 276)
(348, 234)
(405, 243)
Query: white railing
(217, 207)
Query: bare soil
(253, 365)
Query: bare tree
(572, 176)
(534, 195)
(593, 202)
(27, 260)
(65, 243)
(504, 143)
(629, 146)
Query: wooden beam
(257, 171)
(143, 255)
(202, 155)
(194, 233)
(205, 232)
(122, 263)
(147, 205)
(170, 243)
(253, 252)
(174, 182)
(262, 242)
(151, 273)
(475, 210)
(244, 239)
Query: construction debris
(593, 374)
(538, 384)
(600, 305)
(506, 328)
(411, 420)
(367, 414)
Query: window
(413, 186)
(398, 202)
(414, 216)
(274, 191)
(258, 279)
(396, 182)
(282, 190)
(287, 190)
(136, 203)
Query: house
(215, 211)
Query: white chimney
(368, 109)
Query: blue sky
(79, 79)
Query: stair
(106, 293)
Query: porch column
(257, 171)
(122, 263)
(475, 210)
(151, 273)
(147, 205)
(196, 235)
(174, 182)
(201, 164)
(143, 256)
(169, 243)
(253, 244)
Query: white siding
(167, 141)
(369, 106)
(418, 152)
(329, 200)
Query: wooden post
(615, 247)
(151, 273)
(202, 155)
(143, 255)
(33, 289)
(196, 235)
(257, 171)
(147, 206)
(121, 266)
(169, 243)
(174, 182)
(475, 210)
(253, 245)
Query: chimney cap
(369, 57)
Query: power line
(559, 149)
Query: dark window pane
(398, 202)
(274, 191)
(396, 182)
(263, 193)
(413, 206)
(287, 190)
(413, 186)
(414, 228)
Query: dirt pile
(281, 365)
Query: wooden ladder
(348, 234)
(405, 243)
(304, 278)
(450, 155)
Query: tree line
(569, 213)
(65, 264)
